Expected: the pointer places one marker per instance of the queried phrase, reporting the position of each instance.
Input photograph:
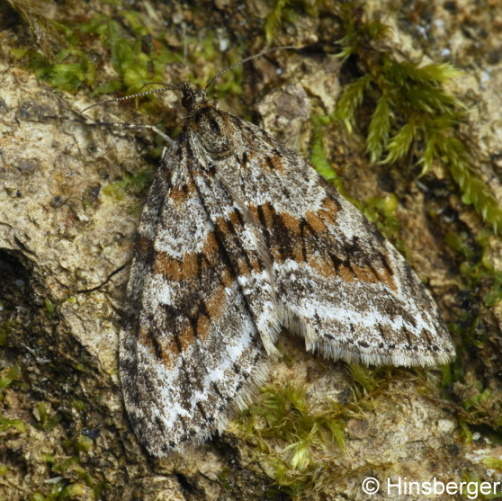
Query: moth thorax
(214, 132)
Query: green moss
(465, 431)
(137, 64)
(476, 269)
(364, 376)
(83, 443)
(292, 437)
(62, 491)
(481, 407)
(381, 211)
(16, 424)
(73, 491)
(478, 279)
(414, 118)
(350, 100)
(493, 463)
(134, 65)
(50, 308)
(479, 399)
(71, 470)
(318, 156)
(73, 481)
(287, 11)
(275, 18)
(447, 376)
(49, 458)
(66, 464)
(284, 416)
(45, 420)
(478, 488)
(7, 377)
(78, 404)
(71, 69)
(137, 182)
(223, 478)
(230, 83)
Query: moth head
(192, 97)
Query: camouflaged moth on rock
(239, 238)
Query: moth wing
(189, 348)
(340, 284)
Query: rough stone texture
(66, 231)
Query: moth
(240, 238)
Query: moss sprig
(8, 376)
(318, 156)
(414, 117)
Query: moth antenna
(139, 94)
(242, 61)
(163, 89)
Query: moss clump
(137, 64)
(293, 438)
(73, 481)
(137, 182)
(288, 11)
(414, 117)
(476, 269)
(73, 66)
(283, 414)
(480, 285)
(480, 407)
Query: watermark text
(398, 486)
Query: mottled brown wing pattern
(190, 352)
(239, 237)
(339, 282)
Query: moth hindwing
(240, 237)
